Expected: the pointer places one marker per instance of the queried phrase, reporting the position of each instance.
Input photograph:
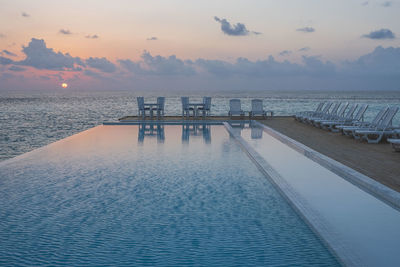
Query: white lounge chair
(328, 115)
(350, 130)
(317, 115)
(382, 129)
(235, 108)
(298, 116)
(339, 114)
(356, 121)
(330, 125)
(395, 143)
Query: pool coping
(311, 217)
(365, 183)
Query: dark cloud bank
(378, 70)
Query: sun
(64, 85)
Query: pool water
(163, 195)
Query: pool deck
(378, 161)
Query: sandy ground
(378, 161)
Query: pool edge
(311, 217)
(365, 183)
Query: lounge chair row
(203, 108)
(339, 117)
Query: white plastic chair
(185, 107)
(141, 108)
(235, 108)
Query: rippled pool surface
(166, 196)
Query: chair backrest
(256, 105)
(185, 102)
(379, 117)
(327, 107)
(387, 118)
(207, 102)
(360, 113)
(140, 101)
(350, 112)
(161, 102)
(335, 108)
(342, 109)
(320, 105)
(235, 105)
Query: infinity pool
(161, 195)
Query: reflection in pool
(101, 198)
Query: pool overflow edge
(312, 218)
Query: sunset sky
(155, 45)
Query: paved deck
(378, 161)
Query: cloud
(94, 36)
(66, 32)
(16, 68)
(238, 29)
(7, 53)
(306, 29)
(41, 57)
(26, 15)
(285, 53)
(379, 69)
(304, 49)
(365, 3)
(384, 61)
(2, 35)
(101, 64)
(5, 61)
(152, 38)
(92, 74)
(158, 65)
(387, 4)
(380, 34)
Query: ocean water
(119, 196)
(31, 120)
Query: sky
(199, 45)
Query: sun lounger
(350, 130)
(395, 144)
(358, 120)
(235, 108)
(330, 124)
(382, 129)
(298, 116)
(339, 114)
(318, 115)
(330, 114)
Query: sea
(29, 120)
